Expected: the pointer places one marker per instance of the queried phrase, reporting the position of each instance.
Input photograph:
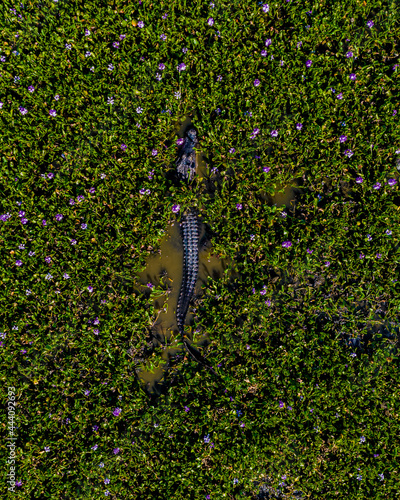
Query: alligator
(185, 171)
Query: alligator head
(186, 162)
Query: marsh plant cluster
(305, 340)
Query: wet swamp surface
(164, 267)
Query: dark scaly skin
(190, 239)
(186, 167)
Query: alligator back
(190, 239)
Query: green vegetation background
(288, 351)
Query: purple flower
(361, 256)
(274, 133)
(256, 82)
(264, 53)
(378, 185)
(90, 288)
(139, 110)
(92, 190)
(116, 45)
(59, 217)
(359, 180)
(154, 152)
(116, 451)
(181, 67)
(349, 54)
(349, 153)
(232, 151)
(343, 138)
(80, 198)
(22, 110)
(340, 96)
(123, 147)
(87, 392)
(50, 175)
(95, 447)
(362, 439)
(48, 260)
(308, 63)
(47, 449)
(392, 182)
(287, 244)
(281, 404)
(327, 263)
(388, 232)
(239, 206)
(242, 424)
(256, 131)
(44, 222)
(370, 24)
(165, 16)
(395, 112)
(299, 126)
(309, 251)
(268, 42)
(207, 438)
(352, 76)
(265, 8)
(176, 209)
(83, 226)
(116, 412)
(210, 21)
(378, 255)
(186, 409)
(266, 169)
(52, 112)
(163, 37)
(57, 97)
(122, 37)
(376, 456)
(31, 88)
(140, 24)
(106, 481)
(18, 484)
